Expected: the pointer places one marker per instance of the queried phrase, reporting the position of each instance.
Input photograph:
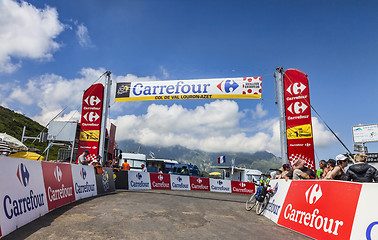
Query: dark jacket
(362, 172)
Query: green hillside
(12, 123)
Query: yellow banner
(300, 132)
(90, 136)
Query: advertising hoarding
(179, 182)
(58, 184)
(105, 181)
(274, 207)
(22, 193)
(300, 144)
(218, 88)
(320, 209)
(139, 180)
(220, 185)
(160, 181)
(84, 181)
(199, 184)
(242, 187)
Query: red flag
(298, 117)
(91, 115)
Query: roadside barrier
(325, 209)
(150, 181)
(29, 189)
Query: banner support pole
(105, 111)
(278, 76)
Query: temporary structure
(13, 142)
(4, 148)
(27, 155)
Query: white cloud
(164, 72)
(213, 127)
(26, 32)
(259, 112)
(83, 36)
(322, 136)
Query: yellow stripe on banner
(192, 96)
(90, 136)
(299, 132)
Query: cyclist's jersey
(264, 181)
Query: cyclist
(261, 190)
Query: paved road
(155, 215)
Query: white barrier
(30, 189)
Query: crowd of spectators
(333, 169)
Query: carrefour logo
(242, 184)
(219, 182)
(179, 179)
(296, 88)
(199, 180)
(139, 176)
(228, 86)
(23, 174)
(160, 177)
(313, 194)
(83, 173)
(58, 174)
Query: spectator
(83, 158)
(125, 165)
(361, 171)
(109, 163)
(97, 161)
(284, 170)
(97, 164)
(160, 171)
(320, 171)
(300, 171)
(144, 169)
(331, 163)
(338, 172)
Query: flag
(232, 166)
(222, 159)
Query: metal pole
(105, 109)
(23, 134)
(278, 75)
(72, 150)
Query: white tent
(12, 142)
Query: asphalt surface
(155, 215)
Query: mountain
(13, 123)
(262, 161)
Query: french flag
(222, 159)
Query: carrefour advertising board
(160, 181)
(218, 88)
(84, 181)
(139, 180)
(220, 185)
(180, 182)
(320, 209)
(58, 184)
(22, 193)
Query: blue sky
(51, 51)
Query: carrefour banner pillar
(218, 88)
(91, 115)
(298, 117)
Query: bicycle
(260, 206)
(251, 202)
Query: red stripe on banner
(300, 143)
(91, 115)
